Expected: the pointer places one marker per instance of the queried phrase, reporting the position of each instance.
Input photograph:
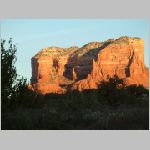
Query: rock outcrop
(55, 69)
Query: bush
(114, 92)
(137, 90)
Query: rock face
(57, 69)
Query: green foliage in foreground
(12, 87)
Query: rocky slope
(57, 69)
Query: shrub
(114, 92)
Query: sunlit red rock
(55, 69)
(74, 75)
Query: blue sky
(31, 35)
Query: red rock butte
(55, 70)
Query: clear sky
(31, 35)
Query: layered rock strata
(57, 69)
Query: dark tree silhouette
(112, 91)
(11, 87)
(8, 70)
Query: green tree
(11, 87)
(8, 70)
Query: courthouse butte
(55, 70)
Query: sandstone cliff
(57, 69)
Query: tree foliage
(12, 88)
(110, 90)
(115, 92)
(8, 70)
